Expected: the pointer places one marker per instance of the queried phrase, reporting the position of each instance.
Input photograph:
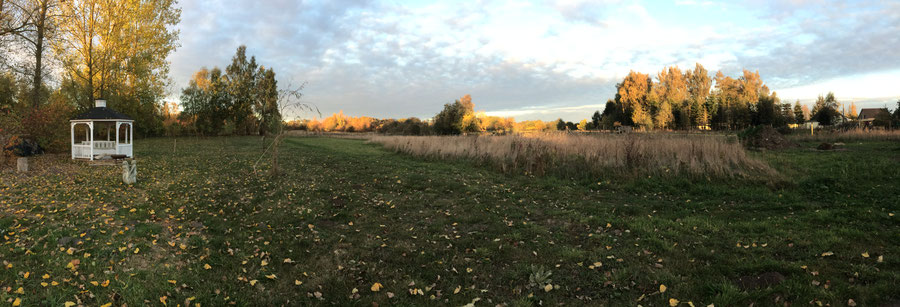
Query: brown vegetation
(577, 155)
(848, 135)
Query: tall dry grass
(848, 135)
(579, 155)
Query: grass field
(348, 218)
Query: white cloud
(535, 59)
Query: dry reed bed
(848, 136)
(579, 155)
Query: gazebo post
(118, 123)
(91, 134)
(72, 130)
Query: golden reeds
(579, 155)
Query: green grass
(437, 226)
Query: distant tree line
(692, 99)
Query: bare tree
(13, 18)
(44, 17)
(288, 101)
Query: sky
(540, 59)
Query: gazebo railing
(81, 151)
(125, 149)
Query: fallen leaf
(69, 304)
(548, 287)
(297, 282)
(826, 254)
(376, 287)
(253, 282)
(17, 302)
(865, 255)
(162, 299)
(271, 276)
(662, 288)
(673, 302)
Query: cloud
(532, 59)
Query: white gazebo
(90, 126)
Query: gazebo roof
(101, 113)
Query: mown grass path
(199, 227)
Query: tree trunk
(39, 53)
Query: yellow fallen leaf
(106, 305)
(548, 287)
(70, 251)
(376, 287)
(288, 260)
(207, 266)
(826, 254)
(673, 302)
(43, 284)
(162, 299)
(105, 283)
(880, 259)
(263, 263)
(455, 291)
(20, 290)
(45, 276)
(137, 250)
(297, 282)
(17, 302)
(26, 275)
(54, 283)
(95, 283)
(865, 255)
(253, 282)
(271, 276)
(69, 304)
(598, 264)
(662, 288)
(172, 281)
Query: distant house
(867, 116)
